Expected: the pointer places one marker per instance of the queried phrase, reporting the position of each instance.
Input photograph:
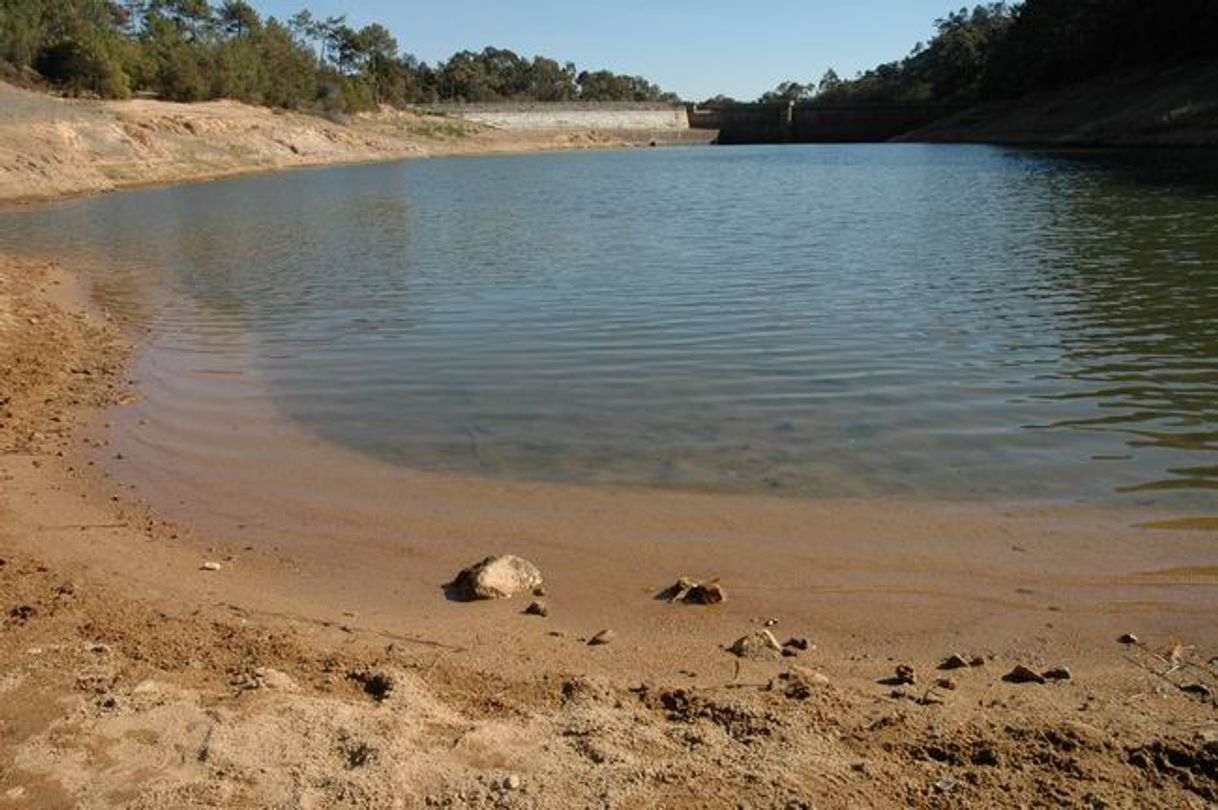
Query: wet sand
(332, 565)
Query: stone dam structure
(602, 116)
(781, 122)
(789, 122)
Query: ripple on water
(951, 322)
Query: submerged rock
(499, 577)
(758, 644)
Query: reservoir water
(933, 322)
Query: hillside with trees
(1001, 50)
(190, 50)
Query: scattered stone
(987, 757)
(511, 782)
(976, 661)
(947, 683)
(1128, 638)
(945, 785)
(210, 566)
(1022, 674)
(771, 622)
(692, 592)
(906, 675)
(801, 644)
(1057, 674)
(539, 591)
(377, 685)
(954, 662)
(268, 678)
(799, 684)
(499, 577)
(758, 644)
(603, 637)
(1201, 690)
(537, 609)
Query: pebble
(905, 674)
(537, 609)
(511, 782)
(210, 566)
(603, 637)
(1128, 638)
(1199, 689)
(269, 678)
(1058, 674)
(987, 757)
(954, 662)
(1021, 674)
(947, 683)
(758, 644)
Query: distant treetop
(190, 50)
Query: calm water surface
(946, 322)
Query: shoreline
(822, 727)
(54, 149)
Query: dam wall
(575, 116)
(786, 122)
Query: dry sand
(324, 668)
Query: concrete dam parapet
(603, 116)
(787, 122)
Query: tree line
(1004, 50)
(190, 50)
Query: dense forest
(189, 50)
(1006, 50)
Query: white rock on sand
(499, 577)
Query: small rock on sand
(1128, 638)
(947, 683)
(496, 578)
(1057, 674)
(511, 782)
(692, 592)
(210, 566)
(954, 662)
(268, 678)
(603, 637)
(1022, 674)
(537, 609)
(758, 644)
(905, 674)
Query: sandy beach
(321, 665)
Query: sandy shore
(321, 666)
(51, 148)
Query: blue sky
(694, 48)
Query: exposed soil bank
(50, 147)
(1165, 107)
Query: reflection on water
(963, 322)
